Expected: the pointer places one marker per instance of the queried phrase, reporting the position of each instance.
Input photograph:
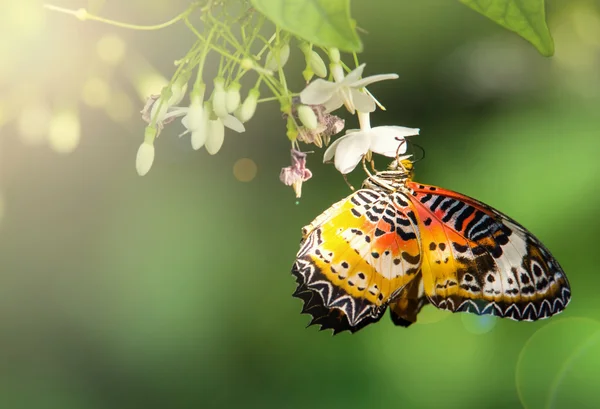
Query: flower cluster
(216, 106)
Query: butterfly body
(400, 244)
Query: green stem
(83, 14)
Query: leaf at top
(325, 23)
(527, 18)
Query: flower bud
(233, 97)
(248, 107)
(144, 158)
(219, 98)
(283, 54)
(307, 116)
(215, 137)
(317, 64)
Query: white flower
(384, 140)
(344, 91)
(215, 131)
(196, 123)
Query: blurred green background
(174, 291)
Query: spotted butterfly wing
(478, 260)
(401, 244)
(356, 258)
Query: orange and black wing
(356, 258)
(478, 260)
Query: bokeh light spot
(111, 49)
(587, 25)
(65, 132)
(478, 324)
(149, 84)
(33, 123)
(245, 170)
(25, 18)
(555, 356)
(95, 92)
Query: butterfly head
(399, 172)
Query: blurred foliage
(173, 290)
(324, 22)
(525, 17)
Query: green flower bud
(307, 117)
(283, 54)
(248, 107)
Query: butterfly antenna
(398, 151)
(422, 153)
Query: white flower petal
(195, 117)
(373, 78)
(199, 138)
(215, 136)
(233, 123)
(362, 102)
(318, 92)
(330, 151)
(353, 75)
(350, 151)
(335, 102)
(385, 140)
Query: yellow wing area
(356, 257)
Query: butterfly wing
(408, 303)
(478, 260)
(356, 257)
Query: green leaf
(527, 18)
(325, 23)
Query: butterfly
(400, 244)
